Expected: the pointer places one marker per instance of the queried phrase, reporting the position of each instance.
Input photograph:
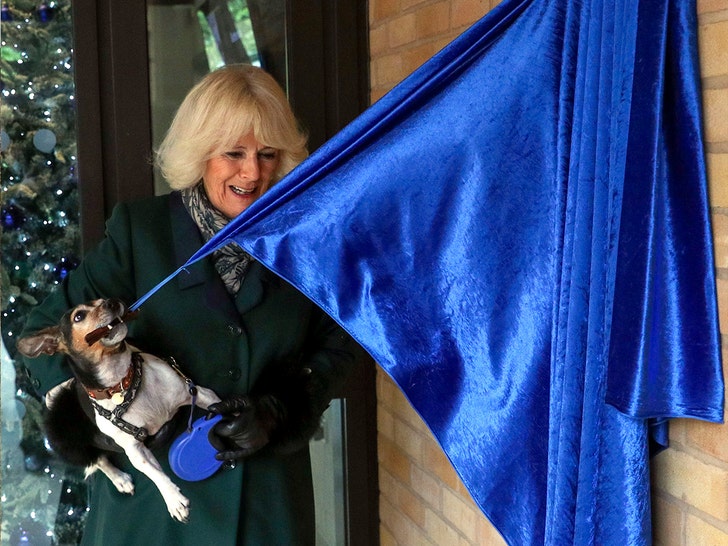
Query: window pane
(217, 33)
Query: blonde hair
(224, 106)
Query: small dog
(126, 409)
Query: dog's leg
(143, 460)
(205, 397)
(121, 480)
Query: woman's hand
(247, 425)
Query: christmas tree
(42, 501)
(40, 227)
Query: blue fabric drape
(518, 234)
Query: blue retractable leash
(192, 456)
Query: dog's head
(69, 335)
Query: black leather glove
(248, 425)
(281, 413)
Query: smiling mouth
(240, 191)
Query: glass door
(218, 33)
(89, 87)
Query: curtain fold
(518, 234)
(665, 260)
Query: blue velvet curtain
(518, 234)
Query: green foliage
(241, 16)
(40, 226)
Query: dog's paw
(178, 506)
(123, 483)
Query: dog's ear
(46, 341)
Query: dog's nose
(114, 305)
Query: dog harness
(126, 391)
(115, 416)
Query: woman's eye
(263, 155)
(78, 317)
(268, 155)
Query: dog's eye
(78, 317)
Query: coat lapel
(251, 291)
(187, 240)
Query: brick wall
(690, 479)
(422, 501)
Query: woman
(231, 325)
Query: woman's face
(237, 177)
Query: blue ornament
(64, 267)
(12, 217)
(44, 140)
(45, 12)
(5, 14)
(4, 140)
(34, 463)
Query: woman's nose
(249, 168)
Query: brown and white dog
(126, 409)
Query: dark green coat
(222, 343)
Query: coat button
(234, 330)
(234, 374)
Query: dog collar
(120, 388)
(116, 416)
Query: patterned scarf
(231, 261)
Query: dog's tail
(70, 432)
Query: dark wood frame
(114, 121)
(328, 86)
